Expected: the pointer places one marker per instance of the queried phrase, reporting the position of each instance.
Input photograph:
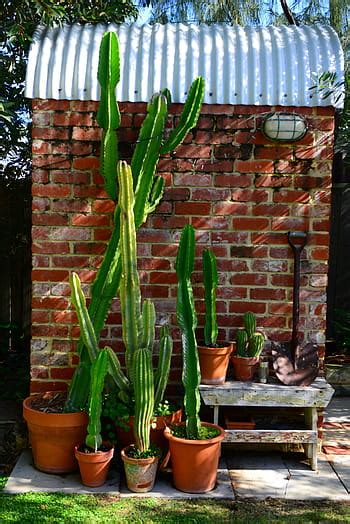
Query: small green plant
(250, 343)
(210, 279)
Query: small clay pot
(94, 467)
(140, 473)
(214, 362)
(244, 368)
(195, 462)
(53, 437)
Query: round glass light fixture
(284, 127)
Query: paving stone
(25, 478)
(341, 465)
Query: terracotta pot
(213, 363)
(244, 368)
(94, 466)
(126, 438)
(195, 462)
(53, 437)
(140, 473)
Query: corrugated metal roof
(260, 66)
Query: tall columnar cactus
(144, 397)
(148, 187)
(187, 321)
(138, 335)
(250, 343)
(210, 278)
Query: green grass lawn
(33, 508)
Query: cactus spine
(148, 188)
(250, 343)
(210, 276)
(187, 321)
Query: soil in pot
(195, 462)
(53, 435)
(213, 363)
(94, 466)
(140, 473)
(244, 368)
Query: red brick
(49, 275)
(210, 195)
(70, 262)
(192, 208)
(86, 163)
(249, 279)
(42, 386)
(81, 148)
(91, 220)
(40, 261)
(231, 208)
(49, 303)
(61, 373)
(50, 248)
(71, 205)
(295, 167)
(49, 331)
(273, 181)
(254, 166)
(169, 222)
(210, 222)
(320, 253)
(50, 105)
(244, 307)
(103, 206)
(267, 294)
(230, 122)
(215, 166)
(83, 106)
(154, 263)
(250, 223)
(39, 147)
(193, 151)
(50, 219)
(288, 223)
(93, 134)
(40, 204)
(291, 196)
(50, 133)
(272, 210)
(274, 152)
(250, 195)
(209, 137)
(52, 190)
(40, 317)
(233, 180)
(41, 119)
(270, 266)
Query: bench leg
(311, 448)
(216, 415)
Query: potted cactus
(213, 357)
(249, 345)
(194, 446)
(94, 456)
(56, 421)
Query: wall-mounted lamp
(284, 127)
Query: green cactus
(98, 374)
(187, 321)
(249, 342)
(210, 278)
(108, 116)
(144, 397)
(164, 360)
(148, 189)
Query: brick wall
(241, 192)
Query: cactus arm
(108, 116)
(144, 397)
(163, 367)
(188, 118)
(115, 370)
(256, 344)
(210, 277)
(155, 195)
(187, 321)
(242, 342)
(148, 325)
(130, 295)
(98, 374)
(249, 321)
(146, 155)
(86, 328)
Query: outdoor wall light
(284, 127)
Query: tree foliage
(19, 20)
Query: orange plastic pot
(214, 363)
(244, 368)
(140, 473)
(53, 437)
(94, 467)
(126, 438)
(195, 462)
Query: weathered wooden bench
(272, 395)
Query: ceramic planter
(195, 462)
(140, 473)
(53, 437)
(244, 368)
(213, 362)
(126, 438)
(94, 467)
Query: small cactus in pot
(249, 345)
(213, 356)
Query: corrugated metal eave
(249, 66)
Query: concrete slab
(258, 475)
(25, 478)
(163, 487)
(341, 465)
(305, 484)
(338, 410)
